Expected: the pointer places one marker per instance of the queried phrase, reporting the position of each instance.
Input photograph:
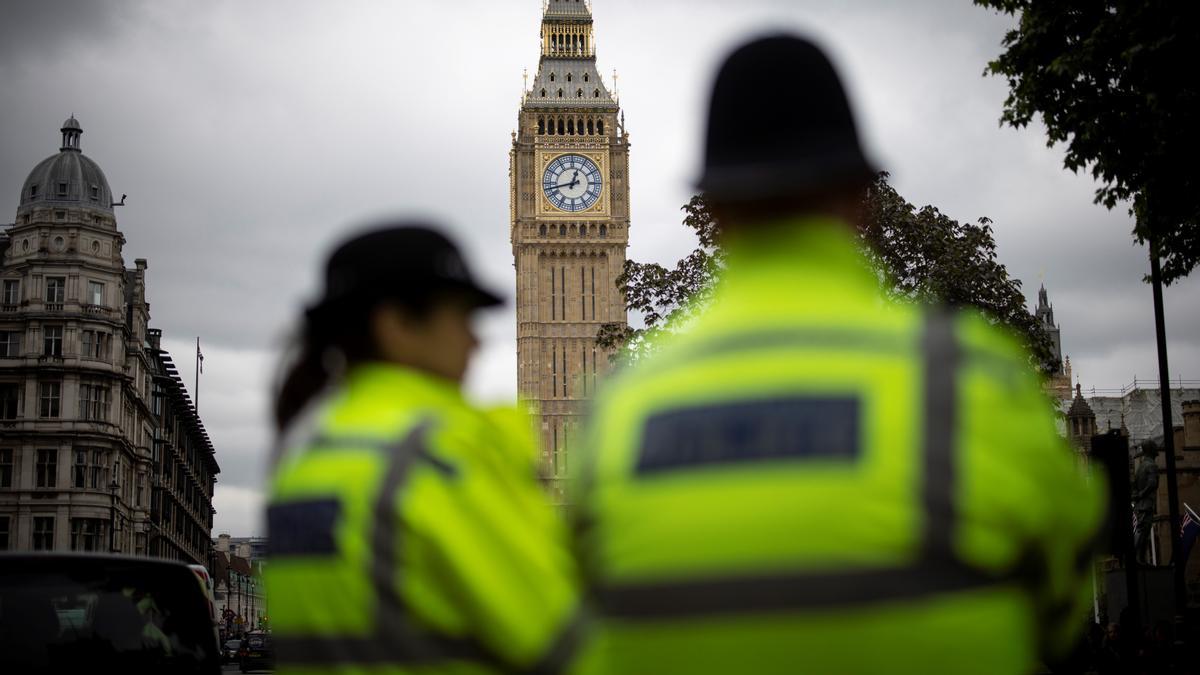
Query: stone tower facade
(568, 169)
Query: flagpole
(1194, 516)
(197, 389)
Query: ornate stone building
(568, 169)
(100, 448)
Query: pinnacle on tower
(71, 131)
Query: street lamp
(112, 516)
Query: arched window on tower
(596, 94)
(543, 93)
(579, 93)
(600, 127)
(562, 230)
(568, 77)
(591, 127)
(603, 231)
(551, 77)
(570, 127)
(541, 125)
(585, 77)
(560, 93)
(561, 128)
(542, 230)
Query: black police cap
(779, 123)
(407, 260)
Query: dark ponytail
(329, 335)
(334, 337)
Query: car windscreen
(256, 642)
(124, 617)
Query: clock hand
(571, 184)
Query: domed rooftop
(69, 178)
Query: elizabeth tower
(568, 168)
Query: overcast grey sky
(249, 136)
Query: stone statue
(1145, 499)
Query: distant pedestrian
(407, 530)
(812, 477)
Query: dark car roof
(9, 560)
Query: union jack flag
(1188, 530)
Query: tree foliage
(921, 255)
(1114, 81)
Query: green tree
(1114, 81)
(921, 255)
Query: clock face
(572, 182)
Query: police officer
(814, 478)
(407, 530)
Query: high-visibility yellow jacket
(409, 535)
(815, 479)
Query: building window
(9, 400)
(49, 399)
(10, 344)
(79, 471)
(4, 533)
(99, 471)
(6, 467)
(96, 345)
(12, 291)
(33, 191)
(62, 189)
(43, 533)
(95, 193)
(56, 290)
(85, 534)
(52, 339)
(96, 293)
(47, 468)
(60, 215)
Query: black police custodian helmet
(803, 138)
(405, 261)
